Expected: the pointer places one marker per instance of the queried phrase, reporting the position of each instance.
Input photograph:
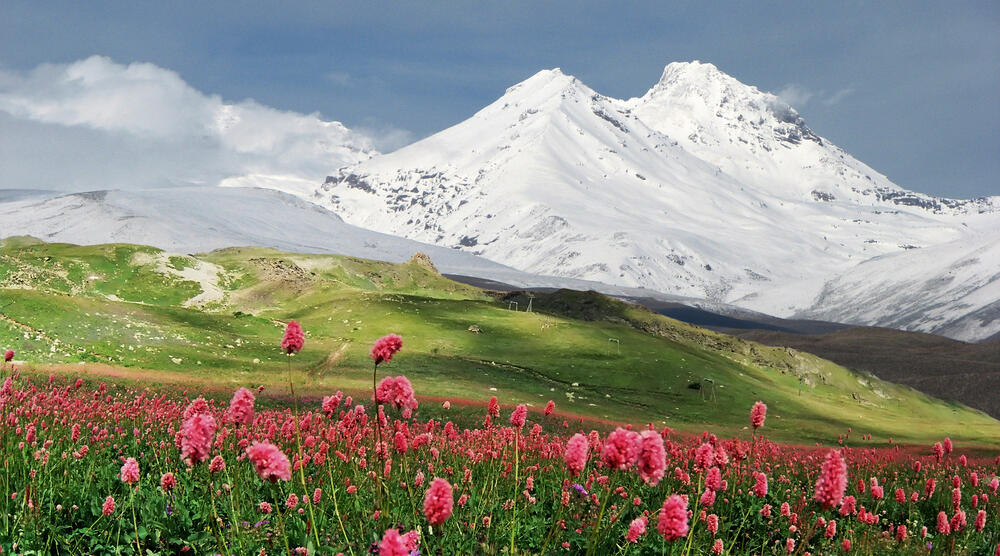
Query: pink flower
(790, 545)
(8, 355)
(717, 547)
(294, 338)
(438, 502)
(760, 485)
(832, 481)
(549, 408)
(713, 479)
(399, 442)
(494, 407)
(411, 539)
(397, 391)
(392, 544)
(217, 465)
(943, 526)
(673, 522)
(269, 461)
(636, 529)
(517, 417)
(168, 482)
(831, 529)
(980, 520)
(109, 506)
(577, 453)
(947, 446)
(264, 508)
(712, 523)
(199, 405)
(198, 432)
(331, 403)
(958, 521)
(757, 415)
(385, 347)
(938, 451)
(293, 501)
(130, 471)
(707, 498)
(704, 456)
(241, 407)
(652, 457)
(621, 448)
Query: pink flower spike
(392, 544)
(385, 347)
(757, 415)
(518, 416)
(673, 522)
(269, 461)
(294, 338)
(438, 502)
(198, 432)
(130, 471)
(832, 481)
(241, 407)
(577, 453)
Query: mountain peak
(703, 80)
(694, 68)
(550, 80)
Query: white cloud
(95, 123)
(794, 95)
(341, 78)
(838, 96)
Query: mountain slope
(117, 305)
(704, 187)
(951, 289)
(200, 219)
(968, 373)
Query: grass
(57, 313)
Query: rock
(475, 329)
(423, 260)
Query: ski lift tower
(531, 296)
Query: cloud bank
(96, 124)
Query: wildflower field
(134, 422)
(119, 470)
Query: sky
(94, 94)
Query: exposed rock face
(424, 260)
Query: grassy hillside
(215, 320)
(969, 373)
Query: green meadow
(213, 322)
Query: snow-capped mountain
(703, 187)
(951, 289)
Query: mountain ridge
(703, 187)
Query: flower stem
(517, 484)
(600, 515)
(135, 524)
